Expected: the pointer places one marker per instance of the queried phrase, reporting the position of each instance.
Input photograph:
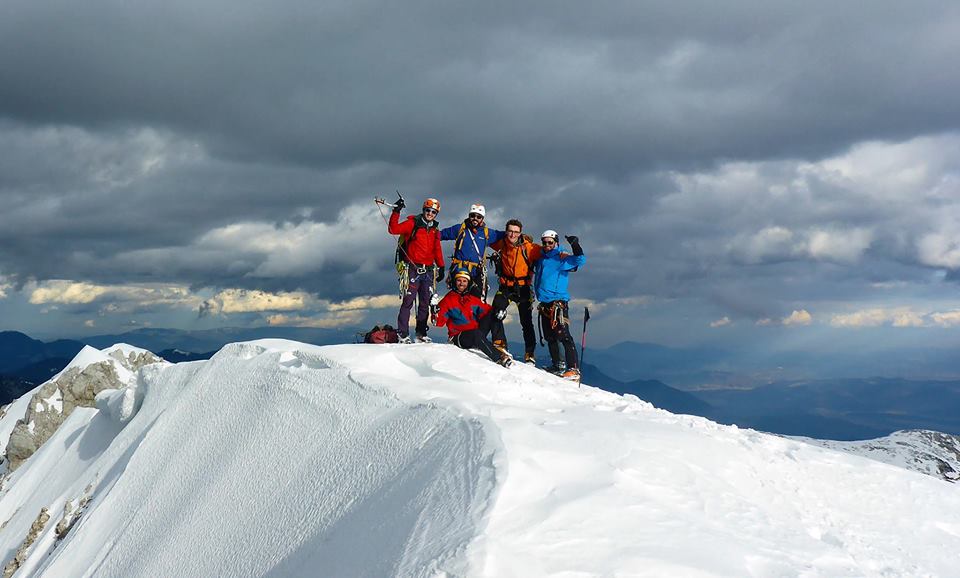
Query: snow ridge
(281, 459)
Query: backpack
(384, 334)
(462, 234)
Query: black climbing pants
(555, 324)
(477, 339)
(523, 297)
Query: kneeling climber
(468, 319)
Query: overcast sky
(738, 172)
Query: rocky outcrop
(72, 515)
(134, 360)
(23, 551)
(57, 399)
(929, 452)
(20, 446)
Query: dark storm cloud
(549, 85)
(225, 144)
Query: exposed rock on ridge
(23, 551)
(929, 452)
(58, 398)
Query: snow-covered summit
(276, 458)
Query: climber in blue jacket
(552, 270)
(471, 238)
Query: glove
(399, 205)
(440, 271)
(435, 300)
(501, 314)
(575, 244)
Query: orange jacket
(517, 270)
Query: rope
(403, 279)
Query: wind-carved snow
(267, 463)
(280, 459)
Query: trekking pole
(583, 342)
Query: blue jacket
(550, 283)
(472, 246)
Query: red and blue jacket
(461, 312)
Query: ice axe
(381, 201)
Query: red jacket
(424, 247)
(461, 312)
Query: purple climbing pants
(421, 288)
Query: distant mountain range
(19, 350)
(12, 387)
(179, 356)
(655, 392)
(26, 362)
(694, 368)
(840, 409)
(837, 409)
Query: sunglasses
(430, 211)
(476, 216)
(548, 241)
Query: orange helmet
(432, 204)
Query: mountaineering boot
(405, 339)
(572, 374)
(530, 358)
(423, 339)
(506, 360)
(557, 368)
(500, 344)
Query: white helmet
(478, 209)
(550, 233)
